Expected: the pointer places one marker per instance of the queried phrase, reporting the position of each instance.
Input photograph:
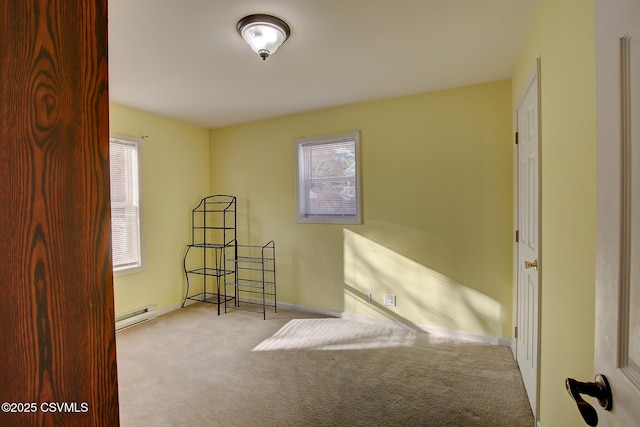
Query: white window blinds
(328, 187)
(125, 203)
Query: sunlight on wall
(423, 296)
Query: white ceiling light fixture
(264, 33)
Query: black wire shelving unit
(213, 239)
(253, 286)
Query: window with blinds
(126, 206)
(327, 183)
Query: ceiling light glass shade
(264, 33)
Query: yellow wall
(437, 203)
(563, 37)
(175, 166)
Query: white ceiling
(184, 59)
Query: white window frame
(139, 264)
(302, 211)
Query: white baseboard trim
(466, 336)
(433, 330)
(307, 309)
(170, 308)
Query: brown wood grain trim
(58, 337)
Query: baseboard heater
(136, 317)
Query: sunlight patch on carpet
(335, 334)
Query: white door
(528, 239)
(617, 340)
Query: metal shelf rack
(213, 236)
(253, 287)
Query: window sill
(123, 271)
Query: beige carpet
(194, 368)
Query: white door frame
(534, 78)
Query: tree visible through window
(125, 204)
(327, 179)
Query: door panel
(631, 140)
(57, 341)
(527, 278)
(617, 341)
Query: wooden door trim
(58, 333)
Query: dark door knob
(599, 389)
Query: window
(126, 204)
(328, 179)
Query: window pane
(124, 223)
(125, 204)
(327, 173)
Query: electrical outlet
(367, 297)
(389, 300)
